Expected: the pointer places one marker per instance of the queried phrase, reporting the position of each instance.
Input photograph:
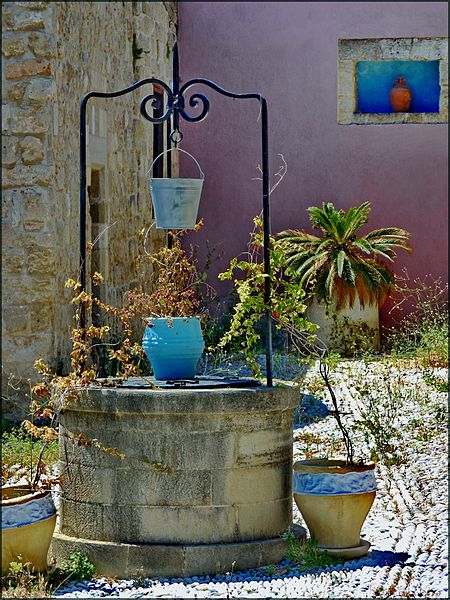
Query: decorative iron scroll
(176, 107)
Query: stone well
(228, 498)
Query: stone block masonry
(131, 512)
(53, 54)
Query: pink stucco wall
(288, 52)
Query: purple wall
(288, 52)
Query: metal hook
(176, 137)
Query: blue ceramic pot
(173, 346)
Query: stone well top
(128, 400)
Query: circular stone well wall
(226, 495)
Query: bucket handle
(202, 175)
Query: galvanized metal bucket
(175, 201)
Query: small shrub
(355, 339)
(382, 402)
(286, 302)
(423, 333)
(77, 566)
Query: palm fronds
(340, 265)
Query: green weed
(434, 381)
(22, 582)
(77, 566)
(275, 570)
(306, 555)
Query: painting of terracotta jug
(400, 96)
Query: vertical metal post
(176, 88)
(169, 170)
(169, 145)
(82, 319)
(266, 232)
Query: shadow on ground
(375, 558)
(387, 558)
(310, 410)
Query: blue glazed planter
(173, 346)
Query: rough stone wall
(29, 251)
(53, 54)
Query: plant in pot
(341, 270)
(174, 311)
(334, 495)
(28, 511)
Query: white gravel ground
(407, 525)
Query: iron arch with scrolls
(175, 109)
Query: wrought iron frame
(176, 108)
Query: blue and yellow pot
(334, 499)
(28, 521)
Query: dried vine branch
(324, 370)
(313, 346)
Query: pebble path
(407, 527)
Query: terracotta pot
(334, 500)
(28, 522)
(400, 96)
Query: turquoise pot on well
(173, 346)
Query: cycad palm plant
(342, 264)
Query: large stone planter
(227, 500)
(350, 328)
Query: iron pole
(266, 232)
(82, 317)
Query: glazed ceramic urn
(173, 346)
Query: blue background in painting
(374, 82)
